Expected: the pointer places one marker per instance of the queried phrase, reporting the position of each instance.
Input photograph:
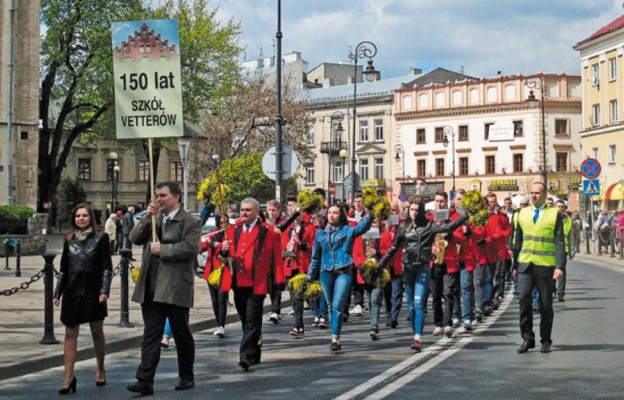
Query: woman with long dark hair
(332, 259)
(84, 284)
(416, 237)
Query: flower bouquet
(309, 201)
(382, 209)
(301, 287)
(370, 197)
(476, 206)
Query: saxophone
(441, 244)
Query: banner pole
(152, 190)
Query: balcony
(333, 148)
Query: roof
(611, 27)
(384, 86)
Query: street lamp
(335, 145)
(183, 147)
(113, 157)
(400, 157)
(448, 130)
(537, 82)
(368, 50)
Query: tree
(76, 75)
(70, 194)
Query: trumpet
(441, 244)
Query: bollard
(48, 282)
(7, 251)
(124, 315)
(587, 241)
(18, 259)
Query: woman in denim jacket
(416, 237)
(332, 255)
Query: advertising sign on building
(501, 132)
(503, 185)
(147, 79)
(574, 183)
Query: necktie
(165, 221)
(247, 228)
(535, 215)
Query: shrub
(14, 219)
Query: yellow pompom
(298, 284)
(476, 206)
(309, 201)
(134, 274)
(314, 291)
(370, 197)
(214, 279)
(382, 209)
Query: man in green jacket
(539, 257)
(567, 233)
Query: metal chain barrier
(24, 285)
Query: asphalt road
(586, 362)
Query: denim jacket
(333, 251)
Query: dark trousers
(127, 243)
(444, 288)
(357, 290)
(297, 305)
(219, 300)
(276, 301)
(249, 308)
(542, 279)
(154, 316)
(393, 297)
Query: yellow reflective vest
(538, 238)
(567, 230)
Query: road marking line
(444, 348)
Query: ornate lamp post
(448, 131)
(183, 146)
(400, 156)
(537, 82)
(113, 157)
(362, 50)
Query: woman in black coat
(84, 283)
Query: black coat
(86, 273)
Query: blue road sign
(591, 187)
(590, 168)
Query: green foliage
(70, 194)
(14, 219)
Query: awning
(614, 192)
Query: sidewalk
(22, 318)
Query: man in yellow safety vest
(539, 257)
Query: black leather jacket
(417, 240)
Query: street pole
(539, 84)
(278, 113)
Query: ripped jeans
(416, 278)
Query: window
(463, 133)
(143, 170)
(490, 165)
(309, 168)
(594, 152)
(175, 171)
(363, 170)
(487, 131)
(562, 161)
(420, 136)
(613, 112)
(561, 127)
(84, 169)
(336, 134)
(518, 161)
(363, 131)
(110, 168)
(439, 135)
(595, 75)
(596, 114)
(310, 136)
(420, 168)
(463, 166)
(439, 166)
(379, 168)
(612, 154)
(613, 69)
(338, 171)
(518, 132)
(24, 135)
(379, 131)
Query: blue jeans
(488, 287)
(319, 307)
(467, 294)
(336, 285)
(375, 298)
(393, 294)
(167, 331)
(416, 277)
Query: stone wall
(32, 244)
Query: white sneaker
(221, 332)
(274, 318)
(448, 331)
(323, 323)
(292, 311)
(438, 331)
(357, 311)
(216, 331)
(316, 321)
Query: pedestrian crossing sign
(591, 187)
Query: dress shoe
(142, 387)
(526, 345)
(184, 384)
(100, 383)
(416, 346)
(561, 299)
(244, 364)
(72, 387)
(335, 346)
(545, 347)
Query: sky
(481, 36)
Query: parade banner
(147, 79)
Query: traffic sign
(590, 168)
(332, 189)
(591, 187)
(289, 162)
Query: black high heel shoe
(72, 387)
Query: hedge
(14, 219)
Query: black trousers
(154, 316)
(219, 300)
(542, 278)
(249, 308)
(444, 288)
